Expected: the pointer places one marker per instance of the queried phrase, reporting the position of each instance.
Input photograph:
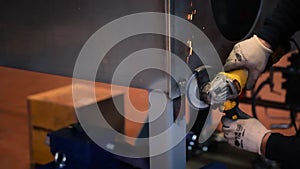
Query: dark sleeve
(280, 26)
(284, 149)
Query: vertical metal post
(176, 156)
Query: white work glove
(249, 54)
(246, 134)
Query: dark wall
(47, 35)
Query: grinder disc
(194, 85)
(208, 119)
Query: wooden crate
(54, 109)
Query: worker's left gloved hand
(245, 134)
(251, 54)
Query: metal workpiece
(176, 127)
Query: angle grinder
(218, 96)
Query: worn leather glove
(249, 54)
(246, 134)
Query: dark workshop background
(46, 36)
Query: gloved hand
(246, 134)
(249, 54)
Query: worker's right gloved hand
(249, 54)
(246, 134)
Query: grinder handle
(236, 113)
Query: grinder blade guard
(207, 118)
